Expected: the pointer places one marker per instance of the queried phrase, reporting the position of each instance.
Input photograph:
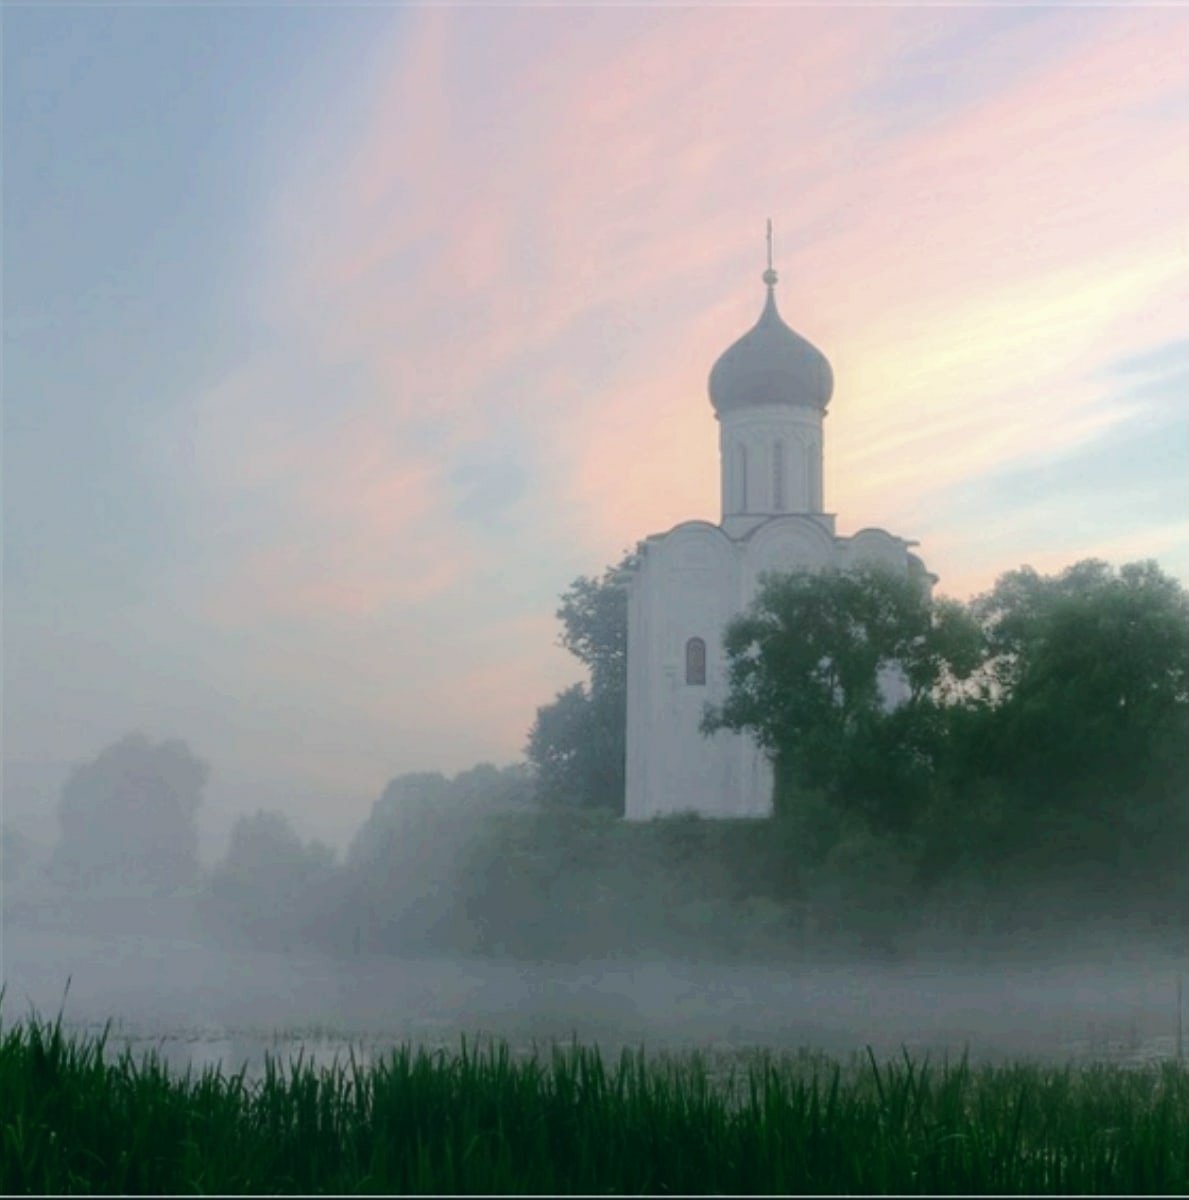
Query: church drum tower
(769, 391)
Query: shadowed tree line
(1035, 768)
(1041, 747)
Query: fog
(197, 1003)
(462, 907)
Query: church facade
(769, 392)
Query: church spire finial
(770, 274)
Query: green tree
(270, 882)
(407, 866)
(577, 743)
(594, 617)
(576, 746)
(129, 817)
(422, 801)
(813, 666)
(1087, 725)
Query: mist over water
(199, 1004)
(460, 911)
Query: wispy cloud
(570, 256)
(491, 307)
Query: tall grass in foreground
(483, 1121)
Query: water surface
(200, 1005)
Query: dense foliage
(483, 1121)
(128, 818)
(406, 882)
(1041, 730)
(577, 747)
(270, 883)
(1082, 722)
(577, 743)
(837, 675)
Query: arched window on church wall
(814, 475)
(778, 497)
(695, 662)
(741, 476)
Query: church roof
(770, 364)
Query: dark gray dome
(770, 364)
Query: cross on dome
(770, 275)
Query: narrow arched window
(778, 500)
(695, 662)
(741, 476)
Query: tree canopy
(1085, 681)
(837, 675)
(577, 743)
(129, 816)
(594, 617)
(1048, 718)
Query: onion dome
(770, 364)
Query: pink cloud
(312, 508)
(501, 689)
(973, 564)
(621, 170)
(1018, 291)
(550, 249)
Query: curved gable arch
(876, 547)
(789, 544)
(798, 535)
(696, 544)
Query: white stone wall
(771, 463)
(685, 587)
(690, 583)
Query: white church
(769, 391)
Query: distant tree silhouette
(271, 885)
(129, 817)
(407, 864)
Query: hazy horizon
(338, 342)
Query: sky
(339, 340)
